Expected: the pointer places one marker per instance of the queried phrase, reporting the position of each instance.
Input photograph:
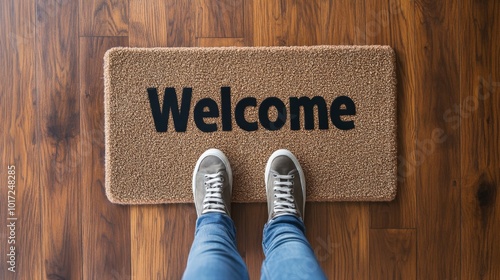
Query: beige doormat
(334, 107)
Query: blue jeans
(214, 254)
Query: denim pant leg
(288, 253)
(214, 254)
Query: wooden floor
(444, 223)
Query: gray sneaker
(285, 185)
(212, 183)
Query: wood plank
(19, 146)
(220, 42)
(103, 17)
(286, 23)
(181, 23)
(267, 28)
(393, 254)
(343, 22)
(480, 134)
(437, 153)
(177, 237)
(146, 224)
(161, 235)
(303, 24)
(59, 123)
(222, 19)
(348, 226)
(326, 244)
(249, 219)
(155, 23)
(392, 23)
(339, 236)
(248, 22)
(239, 218)
(105, 227)
(380, 21)
(148, 23)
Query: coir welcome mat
(334, 107)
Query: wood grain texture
(181, 23)
(480, 137)
(238, 215)
(146, 225)
(392, 23)
(393, 254)
(286, 23)
(155, 23)
(103, 17)
(343, 22)
(248, 22)
(148, 23)
(219, 18)
(379, 17)
(161, 237)
(19, 146)
(105, 227)
(268, 29)
(437, 148)
(325, 242)
(220, 42)
(339, 236)
(59, 125)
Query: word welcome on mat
(207, 108)
(334, 107)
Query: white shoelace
(284, 202)
(213, 201)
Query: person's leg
(288, 253)
(214, 254)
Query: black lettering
(208, 108)
(200, 113)
(336, 111)
(225, 93)
(264, 113)
(160, 116)
(308, 104)
(239, 114)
